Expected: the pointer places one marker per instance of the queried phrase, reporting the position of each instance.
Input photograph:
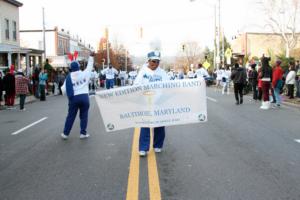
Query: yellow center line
(154, 187)
(133, 178)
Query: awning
(8, 48)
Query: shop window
(14, 30)
(7, 29)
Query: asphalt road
(241, 153)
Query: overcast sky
(170, 21)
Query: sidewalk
(29, 99)
(291, 102)
(285, 100)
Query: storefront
(21, 58)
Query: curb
(291, 104)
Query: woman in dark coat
(10, 87)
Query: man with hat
(76, 86)
(151, 72)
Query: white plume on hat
(155, 44)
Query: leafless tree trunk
(192, 52)
(282, 16)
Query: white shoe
(157, 150)
(63, 136)
(23, 109)
(82, 136)
(264, 105)
(142, 153)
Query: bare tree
(192, 52)
(282, 17)
(121, 56)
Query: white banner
(153, 105)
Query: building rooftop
(14, 2)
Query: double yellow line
(133, 178)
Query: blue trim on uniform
(158, 140)
(82, 103)
(110, 83)
(69, 86)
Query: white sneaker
(84, 136)
(157, 150)
(63, 136)
(142, 153)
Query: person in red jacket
(277, 82)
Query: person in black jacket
(238, 77)
(9, 87)
(253, 75)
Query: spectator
(277, 82)
(35, 82)
(10, 87)
(43, 77)
(239, 77)
(290, 80)
(253, 75)
(61, 80)
(21, 88)
(259, 84)
(298, 79)
(266, 77)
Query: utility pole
(44, 35)
(219, 34)
(222, 36)
(215, 40)
(125, 59)
(107, 45)
(223, 48)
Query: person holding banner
(151, 72)
(76, 86)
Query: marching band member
(76, 86)
(151, 72)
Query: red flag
(75, 55)
(70, 56)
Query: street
(241, 153)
